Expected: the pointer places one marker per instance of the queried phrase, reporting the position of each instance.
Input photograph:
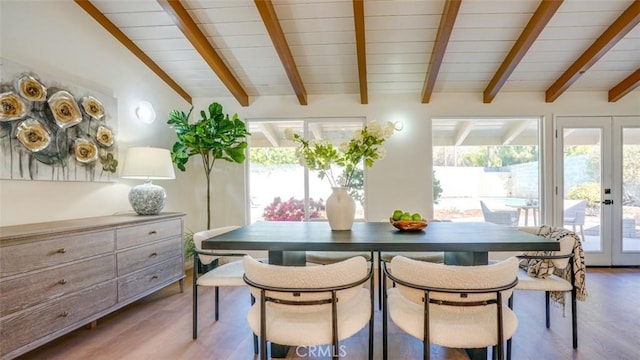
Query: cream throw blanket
(543, 268)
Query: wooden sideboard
(58, 276)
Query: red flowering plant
(291, 210)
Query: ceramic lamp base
(147, 198)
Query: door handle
(607, 202)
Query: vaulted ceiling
(252, 48)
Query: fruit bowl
(409, 225)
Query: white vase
(341, 209)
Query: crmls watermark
(319, 351)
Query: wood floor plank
(159, 327)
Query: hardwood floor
(159, 327)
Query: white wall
(59, 37)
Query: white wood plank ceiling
(417, 47)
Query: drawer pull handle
(63, 314)
(152, 232)
(153, 254)
(62, 250)
(62, 282)
(154, 277)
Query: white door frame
(610, 178)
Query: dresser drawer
(141, 257)
(139, 234)
(28, 290)
(28, 326)
(36, 255)
(139, 282)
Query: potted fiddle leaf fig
(216, 136)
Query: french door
(597, 185)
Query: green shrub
(437, 189)
(589, 191)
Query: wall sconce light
(398, 125)
(149, 164)
(145, 112)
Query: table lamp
(149, 164)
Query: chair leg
(255, 337)
(195, 298)
(380, 280)
(574, 318)
(217, 300)
(384, 321)
(582, 232)
(546, 304)
(371, 322)
(510, 304)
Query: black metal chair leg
(574, 318)
(380, 281)
(548, 318)
(217, 300)
(195, 297)
(255, 337)
(384, 321)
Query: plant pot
(341, 209)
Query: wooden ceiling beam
(98, 16)
(609, 38)
(361, 49)
(270, 20)
(625, 86)
(190, 29)
(447, 21)
(538, 21)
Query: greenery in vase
(365, 146)
(215, 136)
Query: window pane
(277, 184)
(490, 162)
(631, 189)
(276, 179)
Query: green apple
(416, 217)
(406, 216)
(397, 215)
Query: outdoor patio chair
(574, 214)
(502, 217)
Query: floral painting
(52, 130)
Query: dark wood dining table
(463, 243)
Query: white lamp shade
(148, 163)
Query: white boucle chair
(229, 271)
(563, 260)
(309, 305)
(386, 256)
(449, 305)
